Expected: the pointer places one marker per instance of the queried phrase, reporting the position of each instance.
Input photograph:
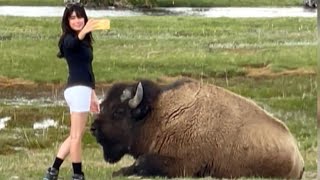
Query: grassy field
(157, 46)
(271, 61)
(175, 3)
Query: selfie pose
(75, 45)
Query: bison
(191, 129)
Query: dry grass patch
(9, 82)
(267, 72)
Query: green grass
(290, 98)
(176, 3)
(34, 164)
(219, 51)
(138, 47)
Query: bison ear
(126, 94)
(136, 100)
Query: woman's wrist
(81, 35)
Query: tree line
(120, 3)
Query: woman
(75, 45)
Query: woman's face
(76, 23)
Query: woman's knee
(76, 137)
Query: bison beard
(190, 129)
(114, 154)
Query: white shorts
(78, 98)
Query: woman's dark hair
(66, 29)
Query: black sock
(77, 168)
(57, 163)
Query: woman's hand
(94, 105)
(90, 26)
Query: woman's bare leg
(78, 124)
(64, 149)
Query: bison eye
(118, 113)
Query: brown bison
(192, 129)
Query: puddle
(45, 124)
(3, 122)
(39, 102)
(232, 12)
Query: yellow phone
(102, 24)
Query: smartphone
(102, 24)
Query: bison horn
(136, 100)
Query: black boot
(78, 177)
(52, 174)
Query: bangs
(79, 11)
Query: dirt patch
(13, 88)
(7, 82)
(267, 72)
(29, 90)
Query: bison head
(125, 106)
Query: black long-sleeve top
(79, 58)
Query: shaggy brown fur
(199, 130)
(207, 126)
